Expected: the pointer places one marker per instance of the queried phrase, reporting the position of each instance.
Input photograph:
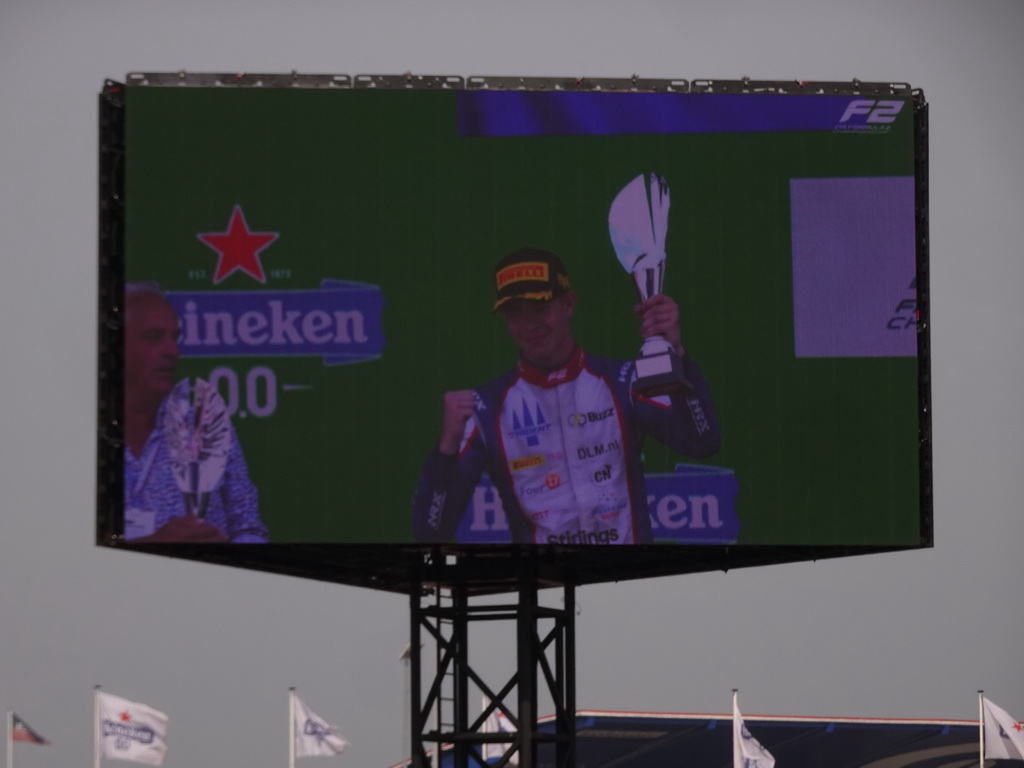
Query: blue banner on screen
(340, 322)
(695, 504)
(561, 113)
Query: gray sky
(898, 635)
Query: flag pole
(735, 711)
(10, 738)
(96, 727)
(981, 729)
(291, 727)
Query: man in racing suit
(561, 434)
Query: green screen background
(376, 187)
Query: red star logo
(1018, 727)
(238, 248)
(125, 717)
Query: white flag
(1004, 736)
(498, 722)
(131, 731)
(747, 751)
(313, 736)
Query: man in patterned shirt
(155, 509)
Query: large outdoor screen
(366, 316)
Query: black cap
(530, 273)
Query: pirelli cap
(530, 273)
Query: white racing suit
(563, 451)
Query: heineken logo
(238, 248)
(340, 322)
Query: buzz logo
(582, 419)
(873, 112)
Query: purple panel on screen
(570, 113)
(853, 267)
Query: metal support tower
(444, 717)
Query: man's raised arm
(450, 473)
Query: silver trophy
(198, 438)
(637, 224)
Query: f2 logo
(876, 111)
